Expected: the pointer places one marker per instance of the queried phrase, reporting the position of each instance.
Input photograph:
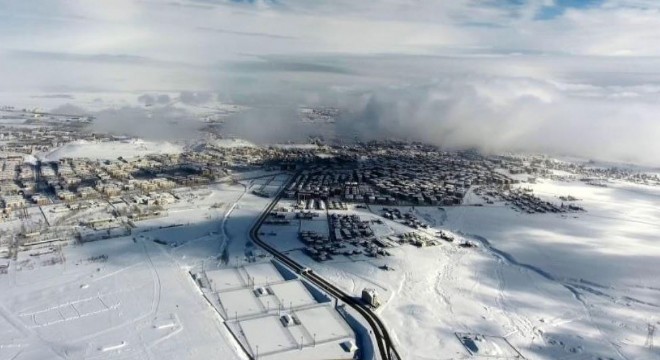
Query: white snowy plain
(578, 286)
(110, 150)
(138, 303)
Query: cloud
(247, 33)
(157, 123)
(495, 114)
(195, 98)
(95, 58)
(546, 75)
(125, 59)
(54, 96)
(491, 113)
(152, 99)
(70, 109)
(274, 65)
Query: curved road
(385, 345)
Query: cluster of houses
(73, 179)
(348, 236)
(415, 238)
(14, 173)
(590, 172)
(531, 204)
(425, 178)
(318, 247)
(407, 218)
(31, 139)
(523, 200)
(396, 174)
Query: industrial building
(276, 315)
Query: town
(39, 195)
(256, 228)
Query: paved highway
(385, 345)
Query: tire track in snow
(500, 300)
(226, 239)
(446, 274)
(27, 332)
(509, 259)
(446, 299)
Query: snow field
(582, 285)
(110, 150)
(138, 303)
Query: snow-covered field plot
(196, 206)
(277, 318)
(111, 150)
(241, 302)
(60, 214)
(198, 235)
(226, 279)
(266, 335)
(317, 333)
(292, 294)
(134, 303)
(241, 294)
(323, 323)
(576, 286)
(15, 225)
(264, 273)
(267, 186)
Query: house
(13, 201)
(370, 297)
(349, 346)
(40, 199)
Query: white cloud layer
(579, 77)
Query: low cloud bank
(155, 123)
(511, 114)
(490, 113)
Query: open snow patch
(111, 149)
(488, 346)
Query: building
(40, 199)
(349, 346)
(370, 297)
(66, 195)
(13, 201)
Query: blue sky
(560, 6)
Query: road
(385, 345)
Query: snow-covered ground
(111, 150)
(122, 298)
(231, 143)
(582, 285)
(136, 303)
(295, 146)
